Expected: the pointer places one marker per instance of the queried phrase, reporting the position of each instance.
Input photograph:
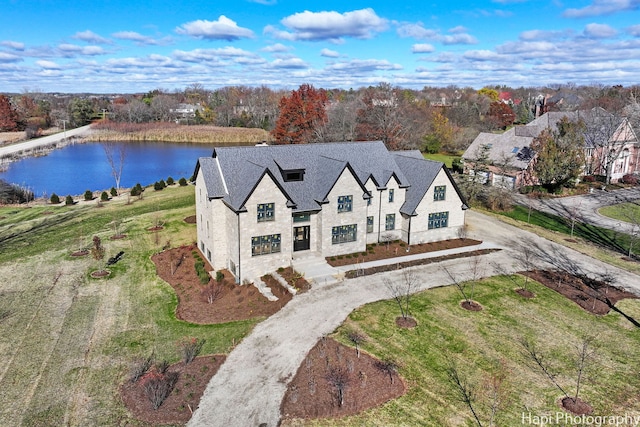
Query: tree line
(432, 119)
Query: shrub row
(203, 274)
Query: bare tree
(116, 155)
(465, 391)
(402, 291)
(338, 378)
(584, 355)
(356, 338)
(459, 285)
(388, 366)
(212, 292)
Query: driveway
(43, 141)
(248, 388)
(585, 207)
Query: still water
(76, 168)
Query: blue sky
(109, 46)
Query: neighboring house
(609, 143)
(257, 208)
(186, 111)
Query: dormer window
(293, 175)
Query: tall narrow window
(345, 203)
(438, 220)
(266, 212)
(369, 224)
(391, 195)
(390, 223)
(439, 192)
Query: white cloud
(222, 29)
(72, 49)
(331, 25)
(481, 55)
(91, 37)
(328, 53)
(204, 55)
(48, 65)
(602, 7)
(138, 38)
(364, 65)
(275, 48)
(599, 31)
(289, 63)
(416, 31)
(9, 57)
(542, 35)
(422, 48)
(458, 39)
(13, 45)
(634, 30)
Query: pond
(76, 168)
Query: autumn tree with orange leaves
(301, 114)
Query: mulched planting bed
(235, 302)
(294, 279)
(471, 306)
(396, 266)
(525, 293)
(310, 393)
(395, 249)
(592, 295)
(184, 398)
(406, 322)
(190, 219)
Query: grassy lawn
(603, 237)
(485, 346)
(622, 211)
(68, 341)
(438, 157)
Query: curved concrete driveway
(249, 387)
(585, 207)
(42, 141)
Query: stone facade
(265, 230)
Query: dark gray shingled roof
(232, 173)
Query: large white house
(260, 207)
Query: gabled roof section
(239, 169)
(213, 181)
(421, 173)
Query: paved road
(585, 207)
(248, 388)
(43, 141)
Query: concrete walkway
(12, 149)
(585, 207)
(250, 385)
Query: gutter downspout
(239, 263)
(409, 234)
(379, 212)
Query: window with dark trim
(439, 192)
(263, 245)
(390, 222)
(369, 224)
(345, 203)
(438, 220)
(266, 212)
(391, 195)
(344, 234)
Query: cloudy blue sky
(107, 46)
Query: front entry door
(301, 240)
